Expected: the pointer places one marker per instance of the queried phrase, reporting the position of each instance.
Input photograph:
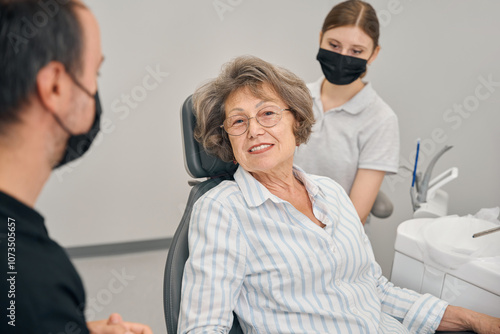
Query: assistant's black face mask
(339, 69)
(79, 144)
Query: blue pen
(416, 161)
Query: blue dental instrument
(416, 161)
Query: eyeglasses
(267, 117)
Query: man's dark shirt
(36, 276)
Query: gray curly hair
(248, 72)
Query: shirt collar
(354, 106)
(256, 194)
(28, 221)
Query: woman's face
(262, 149)
(349, 41)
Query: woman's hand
(484, 324)
(458, 318)
(115, 325)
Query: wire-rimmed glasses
(267, 117)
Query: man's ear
(51, 85)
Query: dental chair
(198, 164)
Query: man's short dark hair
(32, 34)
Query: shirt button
(355, 311)
(334, 249)
(337, 282)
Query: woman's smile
(260, 148)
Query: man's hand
(115, 325)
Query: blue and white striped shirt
(255, 254)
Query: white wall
(133, 186)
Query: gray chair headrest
(197, 161)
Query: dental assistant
(355, 140)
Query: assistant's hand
(115, 325)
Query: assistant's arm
(378, 155)
(364, 191)
(214, 271)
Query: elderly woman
(285, 250)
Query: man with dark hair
(50, 53)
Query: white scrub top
(362, 133)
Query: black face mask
(79, 144)
(339, 69)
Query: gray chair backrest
(199, 164)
